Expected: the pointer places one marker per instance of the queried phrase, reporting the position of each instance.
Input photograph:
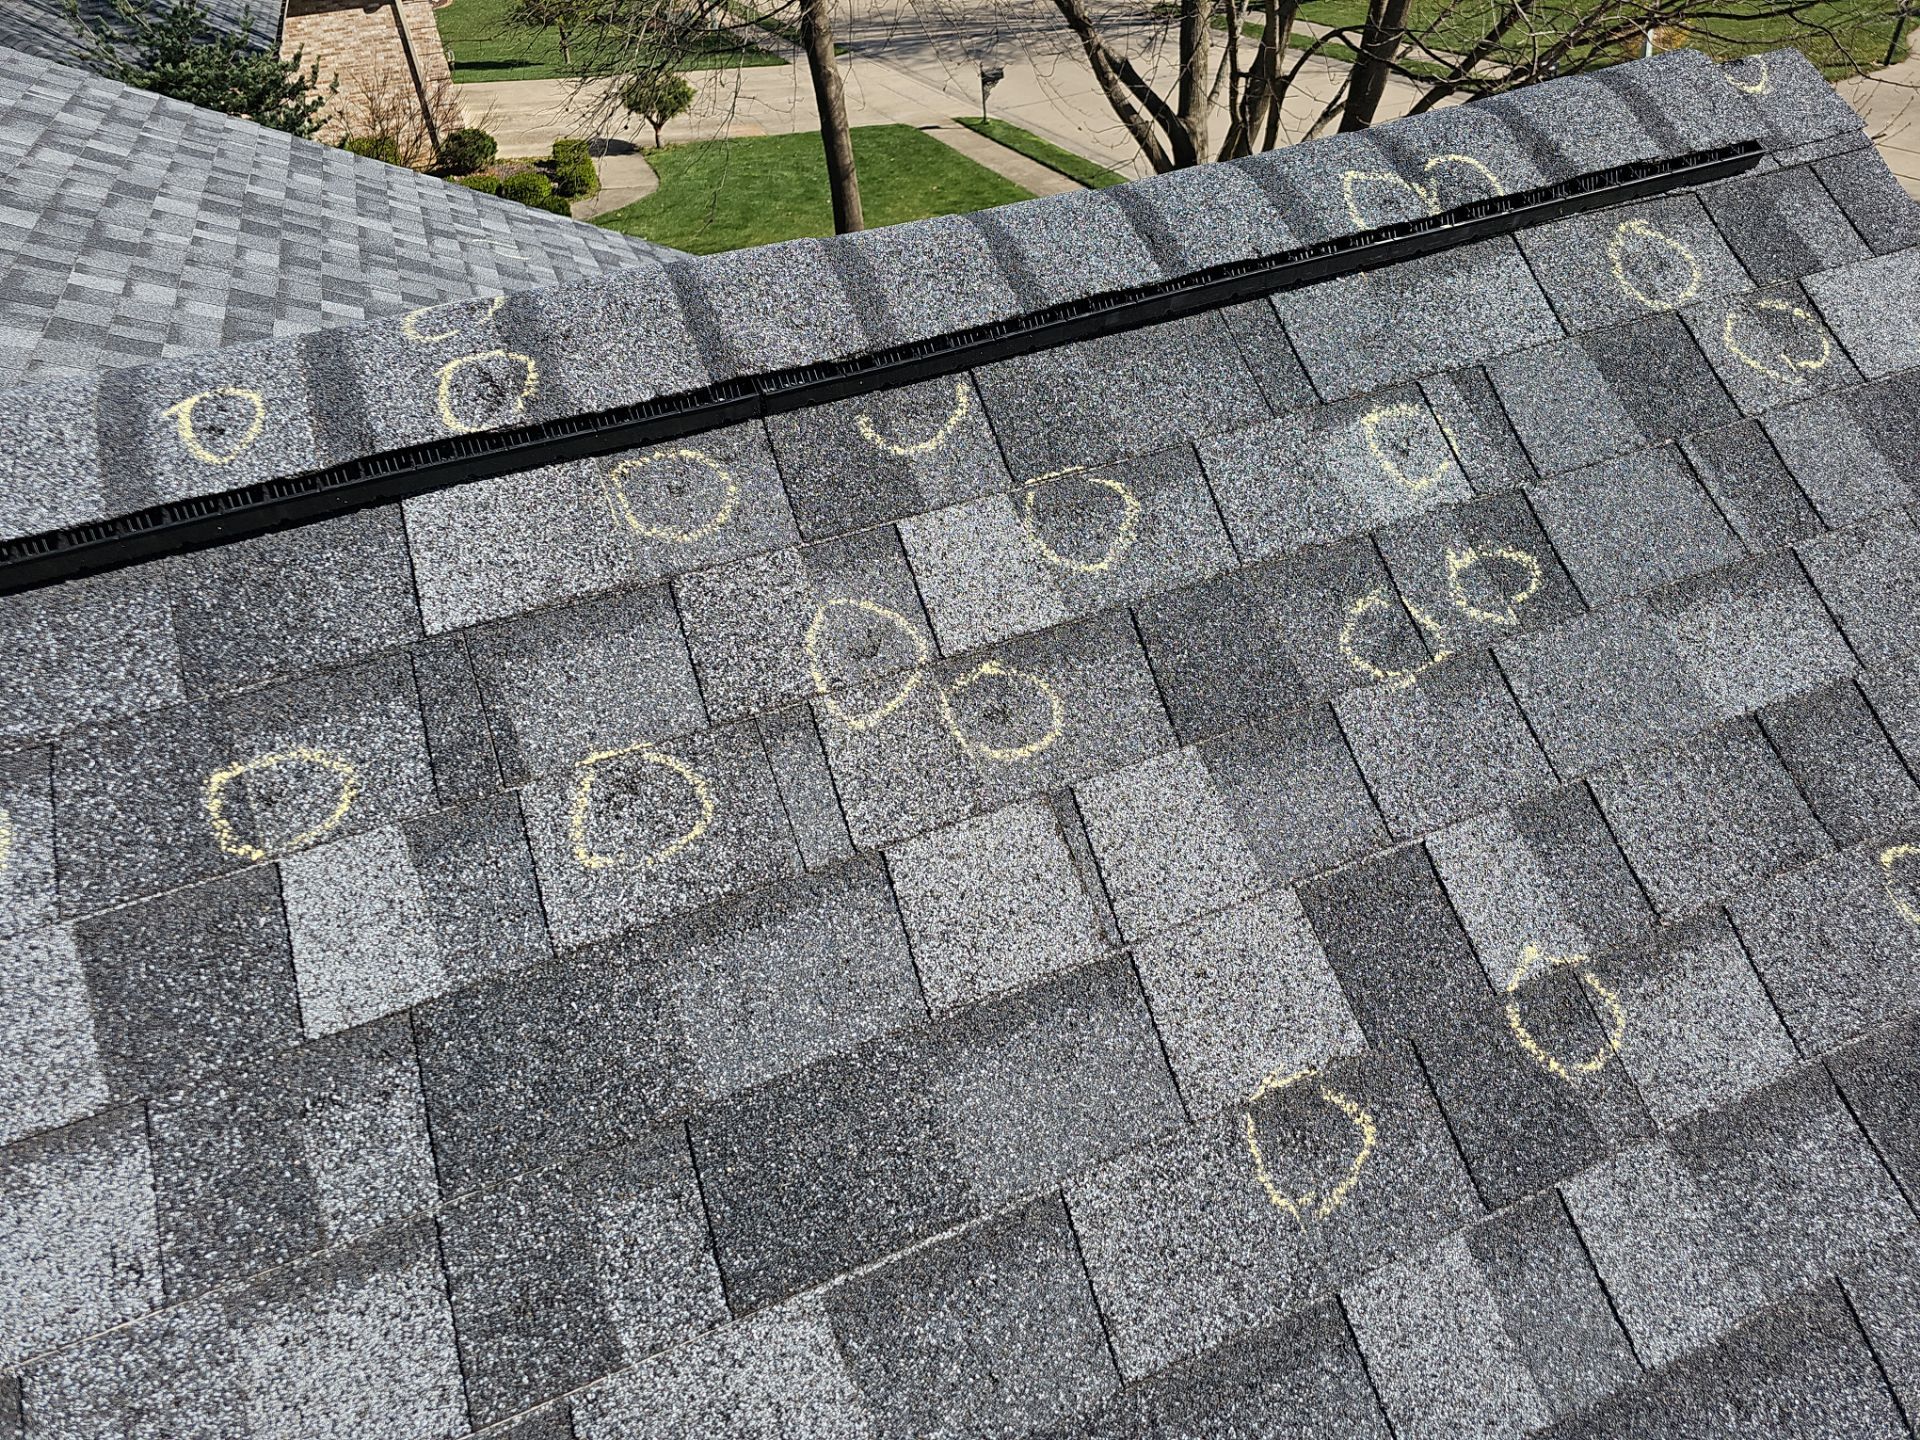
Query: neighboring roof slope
(41, 28)
(1333, 864)
(134, 228)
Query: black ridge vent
(181, 525)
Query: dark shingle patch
(1267, 353)
(362, 1330)
(1743, 473)
(1878, 1076)
(1783, 224)
(1034, 1086)
(1481, 570)
(222, 990)
(1065, 547)
(969, 735)
(1800, 1370)
(1450, 743)
(799, 764)
(1873, 200)
(494, 548)
(1562, 407)
(816, 1173)
(564, 1275)
(1438, 1351)
(1868, 575)
(1544, 872)
(559, 685)
(1846, 451)
(509, 1085)
(881, 457)
(1296, 798)
(1303, 1375)
(1187, 1250)
(775, 981)
(132, 798)
(1843, 763)
(90, 651)
(1658, 374)
(1708, 817)
(1240, 994)
(390, 917)
(289, 1154)
(1083, 404)
(779, 627)
(1555, 1310)
(1836, 943)
(1331, 472)
(993, 903)
(459, 739)
(1884, 1291)
(993, 1331)
(1363, 332)
(1619, 264)
(83, 1252)
(1874, 307)
(1261, 640)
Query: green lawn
(484, 44)
(727, 194)
(1861, 28)
(1074, 167)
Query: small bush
(485, 184)
(573, 172)
(467, 150)
(374, 147)
(555, 204)
(529, 187)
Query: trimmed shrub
(374, 147)
(555, 204)
(468, 150)
(485, 184)
(573, 172)
(529, 187)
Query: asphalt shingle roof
(1342, 866)
(135, 229)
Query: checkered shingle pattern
(134, 228)
(1385, 902)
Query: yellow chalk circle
(1641, 236)
(722, 513)
(1427, 194)
(182, 417)
(1460, 562)
(1791, 369)
(1530, 957)
(528, 385)
(1319, 1203)
(410, 322)
(816, 663)
(1890, 857)
(1371, 426)
(345, 772)
(591, 859)
(1378, 599)
(1758, 87)
(1118, 543)
(863, 422)
(995, 669)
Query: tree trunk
(1379, 44)
(816, 36)
(1196, 18)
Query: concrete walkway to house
(625, 176)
